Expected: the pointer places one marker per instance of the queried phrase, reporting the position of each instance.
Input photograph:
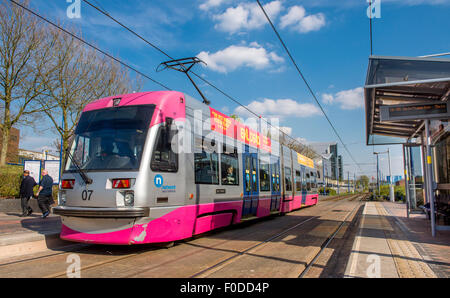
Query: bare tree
(24, 54)
(77, 76)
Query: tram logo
(158, 181)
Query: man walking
(44, 194)
(26, 192)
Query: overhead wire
(89, 44)
(163, 52)
(306, 82)
(104, 12)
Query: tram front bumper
(102, 212)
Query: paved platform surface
(22, 235)
(390, 245)
(376, 240)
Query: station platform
(28, 235)
(388, 244)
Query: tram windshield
(111, 139)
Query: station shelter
(406, 103)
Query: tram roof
(402, 80)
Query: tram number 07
(86, 195)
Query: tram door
(251, 194)
(304, 185)
(275, 181)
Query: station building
(406, 103)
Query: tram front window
(111, 139)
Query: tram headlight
(129, 198)
(62, 198)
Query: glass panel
(415, 176)
(298, 180)
(278, 179)
(206, 166)
(264, 176)
(230, 168)
(391, 70)
(254, 180)
(275, 178)
(288, 179)
(111, 139)
(164, 158)
(442, 152)
(308, 182)
(248, 165)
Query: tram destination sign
(416, 111)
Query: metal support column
(405, 166)
(429, 173)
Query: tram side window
(304, 181)
(313, 181)
(206, 167)
(264, 176)
(298, 181)
(308, 182)
(288, 179)
(275, 178)
(164, 159)
(230, 168)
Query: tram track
(234, 258)
(144, 250)
(328, 241)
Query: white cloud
(275, 131)
(297, 20)
(347, 99)
(286, 129)
(311, 23)
(246, 16)
(279, 108)
(295, 14)
(233, 57)
(302, 141)
(208, 4)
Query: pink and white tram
(124, 184)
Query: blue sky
(328, 39)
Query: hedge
(10, 179)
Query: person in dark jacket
(26, 192)
(44, 194)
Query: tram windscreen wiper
(83, 175)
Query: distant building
(395, 178)
(13, 145)
(330, 153)
(35, 155)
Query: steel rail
(327, 242)
(270, 239)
